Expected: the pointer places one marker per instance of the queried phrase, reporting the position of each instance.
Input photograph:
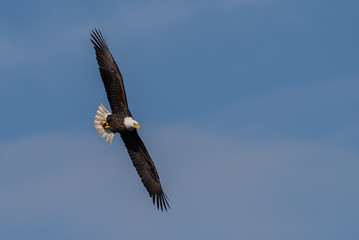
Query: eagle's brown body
(116, 122)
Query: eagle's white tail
(101, 116)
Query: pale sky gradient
(249, 110)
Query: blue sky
(248, 108)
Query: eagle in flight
(121, 121)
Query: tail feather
(101, 116)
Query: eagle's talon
(105, 124)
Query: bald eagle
(121, 121)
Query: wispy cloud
(300, 110)
(154, 16)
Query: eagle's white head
(131, 124)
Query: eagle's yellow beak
(137, 126)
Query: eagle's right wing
(110, 74)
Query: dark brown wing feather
(110, 74)
(145, 168)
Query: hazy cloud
(229, 188)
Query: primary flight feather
(121, 121)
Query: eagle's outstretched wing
(110, 74)
(145, 168)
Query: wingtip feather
(160, 201)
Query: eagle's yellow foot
(105, 124)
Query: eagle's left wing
(145, 168)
